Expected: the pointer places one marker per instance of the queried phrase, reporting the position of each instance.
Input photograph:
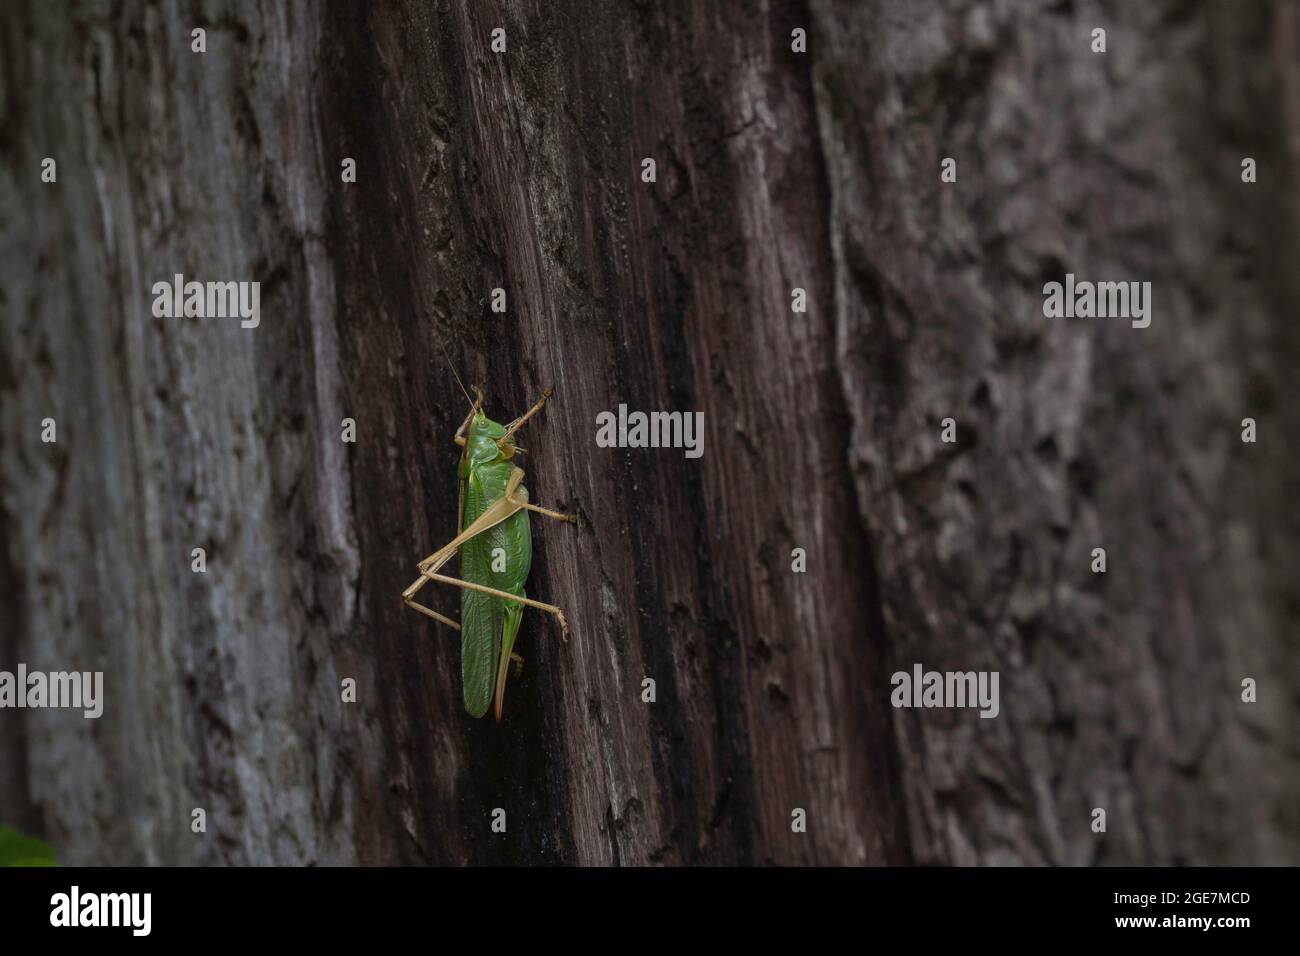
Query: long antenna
(447, 359)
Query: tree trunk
(776, 170)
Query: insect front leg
(518, 422)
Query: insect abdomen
(500, 558)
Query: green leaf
(19, 850)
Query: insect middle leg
(552, 514)
(431, 574)
(513, 501)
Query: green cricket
(496, 552)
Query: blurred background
(780, 165)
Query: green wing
(514, 613)
(488, 624)
(478, 613)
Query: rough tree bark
(776, 170)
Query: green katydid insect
(496, 551)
